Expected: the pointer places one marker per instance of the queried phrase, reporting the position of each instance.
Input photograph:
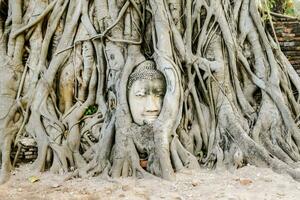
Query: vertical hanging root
(181, 157)
(6, 142)
(101, 151)
(8, 129)
(126, 159)
(254, 153)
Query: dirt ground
(246, 183)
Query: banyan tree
(146, 87)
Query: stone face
(145, 100)
(146, 91)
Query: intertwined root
(6, 166)
(215, 56)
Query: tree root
(181, 157)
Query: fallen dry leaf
(245, 181)
(33, 179)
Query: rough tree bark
(64, 68)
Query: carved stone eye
(140, 94)
(159, 95)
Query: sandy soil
(246, 183)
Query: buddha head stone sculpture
(146, 90)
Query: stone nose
(151, 104)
